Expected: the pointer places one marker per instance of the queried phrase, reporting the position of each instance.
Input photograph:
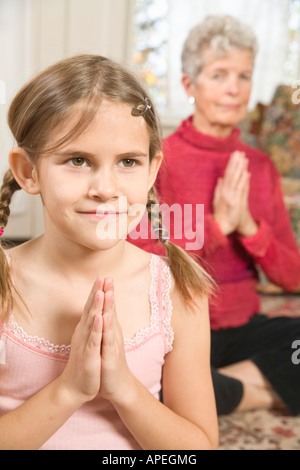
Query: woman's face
(222, 90)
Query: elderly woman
(245, 221)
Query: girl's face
(94, 190)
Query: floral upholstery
(275, 129)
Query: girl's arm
(30, 425)
(187, 419)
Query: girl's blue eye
(78, 161)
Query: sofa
(275, 129)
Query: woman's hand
(247, 227)
(81, 377)
(230, 203)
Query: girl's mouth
(97, 215)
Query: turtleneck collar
(190, 134)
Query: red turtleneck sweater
(193, 163)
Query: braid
(190, 278)
(9, 187)
(7, 190)
(155, 216)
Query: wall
(34, 34)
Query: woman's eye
(78, 161)
(128, 163)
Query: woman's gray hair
(220, 32)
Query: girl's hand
(81, 377)
(116, 377)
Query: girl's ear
(154, 167)
(24, 171)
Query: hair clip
(1, 231)
(165, 237)
(141, 108)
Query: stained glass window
(292, 64)
(150, 46)
(160, 26)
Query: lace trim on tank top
(160, 316)
(161, 306)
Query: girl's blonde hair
(46, 102)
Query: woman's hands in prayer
(231, 198)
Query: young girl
(88, 142)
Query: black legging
(267, 342)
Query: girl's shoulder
(160, 269)
(157, 265)
(141, 259)
(19, 251)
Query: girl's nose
(103, 185)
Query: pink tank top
(31, 363)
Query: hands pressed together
(231, 198)
(97, 362)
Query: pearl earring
(191, 100)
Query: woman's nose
(103, 185)
(233, 86)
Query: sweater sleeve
(213, 236)
(274, 248)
